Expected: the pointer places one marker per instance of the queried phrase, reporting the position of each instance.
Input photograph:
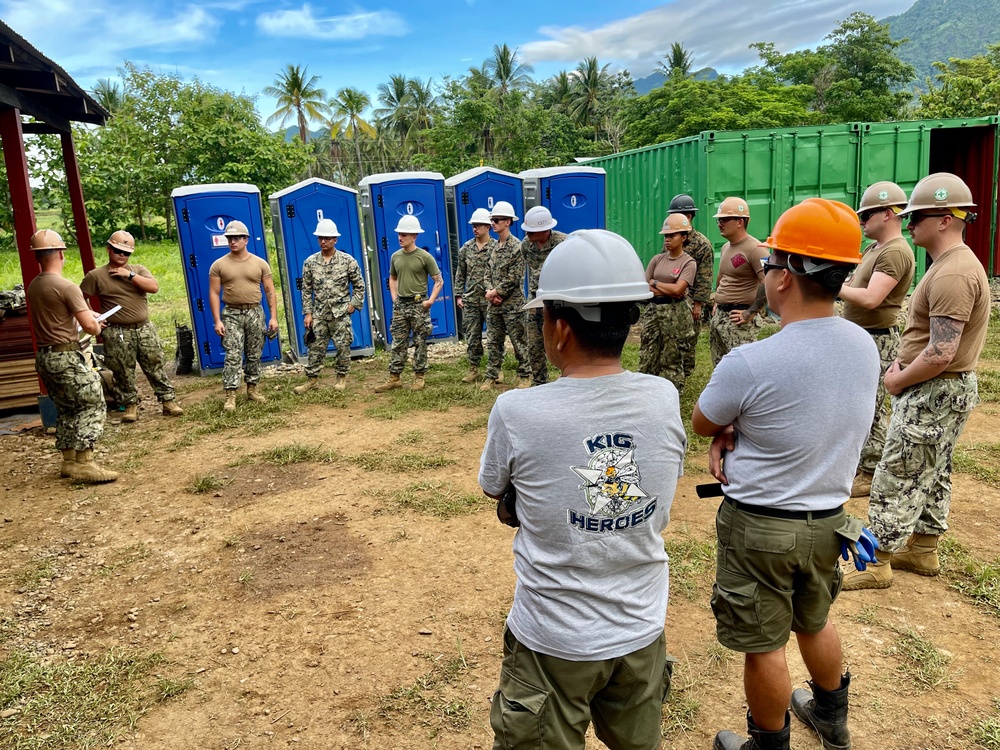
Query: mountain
(293, 132)
(939, 29)
(656, 79)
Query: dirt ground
(310, 607)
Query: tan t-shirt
(113, 290)
(53, 302)
(739, 266)
(669, 270)
(955, 286)
(894, 259)
(241, 279)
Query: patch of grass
(31, 577)
(981, 460)
(691, 563)
(431, 699)
(986, 732)
(246, 579)
(992, 348)
(398, 463)
(989, 385)
(285, 455)
(410, 437)
(680, 713)
(437, 499)
(123, 558)
(719, 656)
(476, 423)
(166, 688)
(443, 391)
(868, 615)
(978, 580)
(205, 483)
(920, 661)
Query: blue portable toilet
(574, 195)
(476, 188)
(295, 211)
(202, 213)
(384, 199)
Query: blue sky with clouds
(241, 45)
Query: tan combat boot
(131, 413)
(523, 383)
(253, 395)
(68, 462)
(472, 376)
(418, 383)
(390, 385)
(230, 404)
(878, 575)
(85, 470)
(172, 409)
(341, 383)
(500, 378)
(306, 386)
(862, 486)
(489, 383)
(919, 556)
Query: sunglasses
(864, 216)
(480, 226)
(497, 221)
(767, 265)
(724, 219)
(116, 251)
(917, 218)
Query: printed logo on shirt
(611, 486)
(738, 260)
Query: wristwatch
(131, 275)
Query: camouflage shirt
(470, 272)
(535, 255)
(505, 270)
(326, 287)
(700, 248)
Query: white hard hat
(480, 216)
(408, 225)
(538, 219)
(590, 267)
(326, 228)
(236, 229)
(503, 210)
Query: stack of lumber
(18, 381)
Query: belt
(952, 375)
(242, 308)
(794, 515)
(414, 298)
(69, 346)
(730, 308)
(665, 300)
(881, 331)
(128, 326)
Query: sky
(242, 45)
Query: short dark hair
(823, 286)
(40, 254)
(604, 339)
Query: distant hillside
(655, 80)
(939, 29)
(293, 132)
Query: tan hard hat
(941, 190)
(733, 207)
(46, 239)
(675, 223)
(883, 194)
(236, 229)
(123, 241)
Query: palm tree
(560, 90)
(678, 63)
(590, 82)
(394, 113)
(298, 95)
(505, 71)
(108, 95)
(349, 104)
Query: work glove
(862, 550)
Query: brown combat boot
(68, 462)
(878, 575)
(862, 486)
(131, 413)
(253, 395)
(523, 383)
(919, 556)
(172, 409)
(306, 386)
(472, 376)
(390, 385)
(418, 382)
(85, 470)
(341, 383)
(230, 404)
(488, 384)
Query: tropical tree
(298, 96)
(964, 87)
(591, 81)
(349, 104)
(394, 113)
(107, 94)
(505, 72)
(676, 64)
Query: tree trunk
(142, 221)
(168, 214)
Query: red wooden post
(12, 138)
(76, 201)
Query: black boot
(826, 712)
(759, 739)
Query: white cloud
(303, 24)
(716, 32)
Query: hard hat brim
(326, 234)
(124, 248)
(548, 225)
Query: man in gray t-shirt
(593, 460)
(790, 413)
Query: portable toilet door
(295, 212)
(574, 195)
(202, 212)
(385, 198)
(476, 188)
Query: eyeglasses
(327, 239)
(724, 219)
(480, 226)
(116, 251)
(234, 237)
(767, 265)
(917, 218)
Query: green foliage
(964, 88)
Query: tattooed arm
(946, 333)
(739, 317)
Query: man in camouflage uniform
(505, 293)
(872, 299)
(933, 384)
(539, 239)
(328, 278)
(700, 248)
(238, 277)
(409, 269)
(470, 288)
(56, 306)
(129, 336)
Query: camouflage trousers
(75, 389)
(340, 331)
(503, 322)
(473, 317)
(245, 331)
(911, 490)
(667, 336)
(724, 335)
(871, 453)
(539, 363)
(123, 347)
(409, 318)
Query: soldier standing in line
(470, 294)
(505, 293)
(328, 278)
(699, 247)
(57, 310)
(409, 269)
(238, 277)
(740, 292)
(539, 239)
(129, 336)
(872, 299)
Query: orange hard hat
(818, 228)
